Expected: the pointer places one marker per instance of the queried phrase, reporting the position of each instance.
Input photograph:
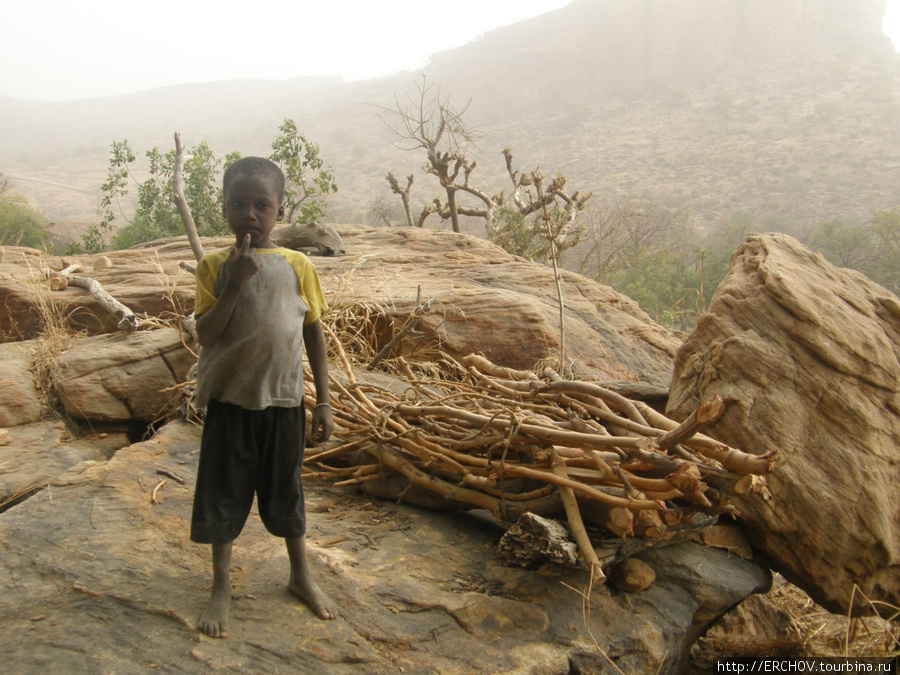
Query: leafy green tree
(20, 225)
(155, 216)
(656, 280)
(308, 180)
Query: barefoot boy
(256, 304)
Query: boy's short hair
(256, 166)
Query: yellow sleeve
(310, 288)
(207, 271)
(311, 292)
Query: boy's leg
(214, 621)
(301, 583)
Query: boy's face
(252, 207)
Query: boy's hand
(242, 264)
(322, 424)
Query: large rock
(122, 377)
(485, 300)
(18, 399)
(38, 453)
(488, 301)
(807, 357)
(147, 281)
(98, 576)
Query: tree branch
(181, 203)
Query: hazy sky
(60, 49)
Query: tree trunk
(454, 210)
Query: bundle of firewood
(511, 442)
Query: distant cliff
(627, 42)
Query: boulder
(21, 292)
(18, 400)
(148, 281)
(807, 358)
(97, 575)
(485, 300)
(122, 377)
(311, 237)
(488, 301)
(37, 454)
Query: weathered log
(534, 541)
(704, 414)
(127, 319)
(505, 441)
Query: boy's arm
(242, 264)
(317, 355)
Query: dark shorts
(243, 452)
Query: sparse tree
(886, 268)
(156, 216)
(519, 224)
(844, 245)
(618, 230)
(428, 121)
(383, 211)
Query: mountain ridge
(655, 101)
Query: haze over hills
(782, 109)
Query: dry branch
(510, 442)
(181, 203)
(408, 327)
(60, 280)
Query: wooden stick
(576, 524)
(181, 203)
(156, 488)
(127, 319)
(570, 438)
(705, 413)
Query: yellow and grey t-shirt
(257, 361)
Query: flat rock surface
(97, 578)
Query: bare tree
(618, 230)
(427, 121)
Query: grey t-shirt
(257, 361)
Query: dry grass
(170, 285)
(55, 337)
(827, 634)
(363, 326)
(19, 495)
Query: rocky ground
(98, 574)
(100, 577)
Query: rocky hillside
(784, 110)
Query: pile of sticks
(511, 442)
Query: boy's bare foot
(310, 593)
(214, 620)
(301, 583)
